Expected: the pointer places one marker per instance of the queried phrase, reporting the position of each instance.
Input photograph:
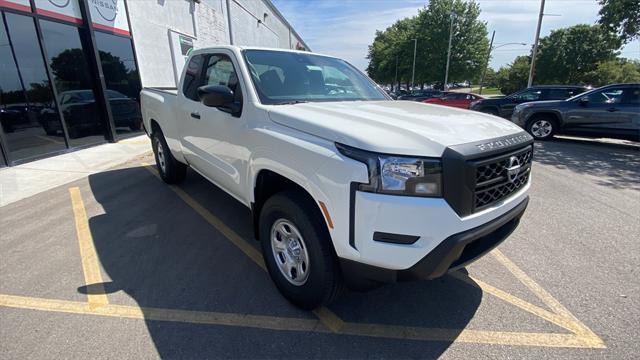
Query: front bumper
(454, 252)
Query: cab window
(190, 83)
(529, 95)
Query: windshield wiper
(291, 102)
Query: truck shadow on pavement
(157, 251)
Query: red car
(455, 99)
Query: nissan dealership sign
(109, 15)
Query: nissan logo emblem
(513, 169)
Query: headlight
(398, 175)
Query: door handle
(195, 115)
(612, 109)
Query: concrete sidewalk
(22, 181)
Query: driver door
(211, 136)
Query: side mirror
(584, 100)
(215, 95)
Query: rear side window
(560, 94)
(632, 96)
(190, 84)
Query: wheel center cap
(293, 246)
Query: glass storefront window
(29, 116)
(122, 81)
(71, 77)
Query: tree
(565, 55)
(70, 70)
(431, 28)
(614, 71)
(622, 17)
(513, 77)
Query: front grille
(493, 180)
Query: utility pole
(395, 83)
(535, 45)
(486, 64)
(413, 73)
(446, 73)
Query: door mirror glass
(215, 95)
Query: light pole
(395, 83)
(491, 48)
(413, 72)
(446, 73)
(535, 45)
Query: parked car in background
(611, 111)
(504, 106)
(420, 95)
(455, 99)
(81, 113)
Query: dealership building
(71, 70)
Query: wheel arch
(269, 182)
(551, 115)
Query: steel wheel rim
(160, 155)
(290, 252)
(541, 128)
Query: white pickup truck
(346, 186)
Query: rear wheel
(171, 170)
(541, 128)
(295, 245)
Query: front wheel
(171, 170)
(297, 251)
(541, 128)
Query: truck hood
(393, 127)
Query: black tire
(542, 128)
(171, 170)
(490, 111)
(324, 281)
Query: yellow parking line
(231, 235)
(578, 327)
(160, 314)
(326, 316)
(303, 325)
(522, 304)
(90, 266)
(582, 337)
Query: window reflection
(122, 81)
(29, 117)
(71, 77)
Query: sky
(345, 28)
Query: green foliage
(565, 55)
(431, 28)
(622, 17)
(614, 71)
(513, 77)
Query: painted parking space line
(580, 336)
(90, 266)
(560, 316)
(326, 316)
(162, 314)
(302, 325)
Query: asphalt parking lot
(119, 264)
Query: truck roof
(236, 47)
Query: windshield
(286, 77)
